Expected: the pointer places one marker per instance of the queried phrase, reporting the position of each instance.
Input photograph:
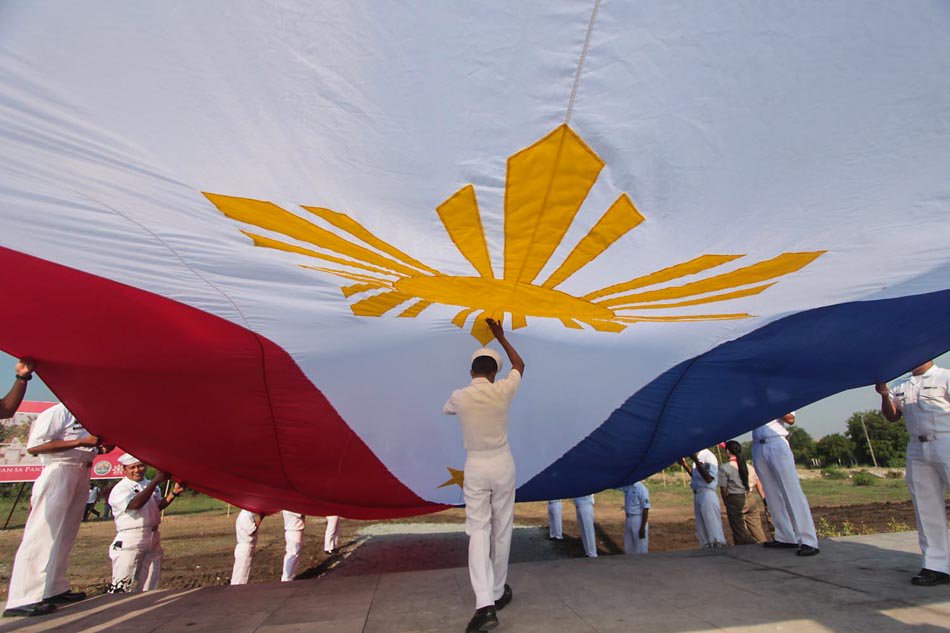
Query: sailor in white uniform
(923, 399)
(294, 524)
(584, 510)
(636, 530)
(489, 487)
(775, 465)
(137, 505)
(38, 581)
(555, 527)
(246, 528)
(704, 478)
(331, 538)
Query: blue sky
(821, 418)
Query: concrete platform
(857, 584)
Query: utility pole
(870, 448)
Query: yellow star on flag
(457, 478)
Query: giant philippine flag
(256, 243)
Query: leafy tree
(835, 449)
(889, 439)
(803, 445)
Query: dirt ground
(199, 547)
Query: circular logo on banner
(102, 468)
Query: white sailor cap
(129, 459)
(487, 351)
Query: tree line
(887, 439)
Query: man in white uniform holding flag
(38, 581)
(923, 399)
(294, 524)
(775, 465)
(246, 528)
(489, 476)
(137, 505)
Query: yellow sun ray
(570, 323)
(518, 321)
(460, 217)
(606, 326)
(480, 329)
(546, 184)
(769, 269)
(616, 222)
(413, 311)
(267, 215)
(355, 289)
(460, 318)
(693, 266)
(266, 242)
(345, 274)
(380, 304)
(747, 292)
(354, 228)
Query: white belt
(73, 464)
(638, 514)
(763, 440)
(490, 452)
(153, 528)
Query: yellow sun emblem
(546, 184)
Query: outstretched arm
(499, 332)
(888, 408)
(11, 401)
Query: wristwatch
(24, 377)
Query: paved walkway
(857, 584)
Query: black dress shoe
(37, 608)
(780, 545)
(66, 597)
(807, 550)
(502, 602)
(929, 578)
(483, 620)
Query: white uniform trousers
(555, 529)
(584, 509)
(928, 476)
(331, 538)
(136, 560)
(489, 516)
(243, 552)
(58, 500)
(632, 543)
(708, 518)
(791, 515)
(293, 545)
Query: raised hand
(25, 367)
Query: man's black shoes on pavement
(37, 608)
(67, 597)
(780, 545)
(483, 620)
(807, 550)
(929, 578)
(502, 602)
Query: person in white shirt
(294, 524)
(775, 464)
(137, 505)
(91, 500)
(489, 486)
(331, 537)
(584, 510)
(736, 482)
(703, 478)
(923, 399)
(555, 527)
(636, 529)
(23, 373)
(246, 528)
(38, 581)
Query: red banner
(17, 465)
